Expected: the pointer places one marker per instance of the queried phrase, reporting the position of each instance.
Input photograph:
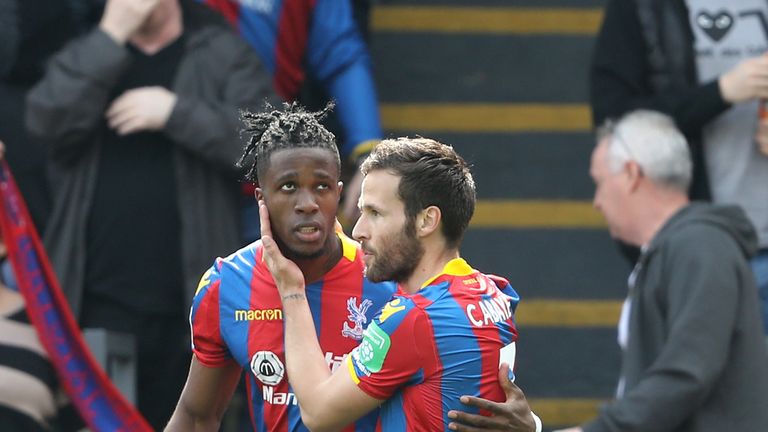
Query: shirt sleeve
(394, 352)
(207, 342)
(338, 58)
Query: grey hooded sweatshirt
(696, 359)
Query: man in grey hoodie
(694, 358)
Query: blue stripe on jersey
(258, 403)
(314, 293)
(260, 31)
(416, 378)
(505, 332)
(367, 423)
(393, 413)
(379, 293)
(333, 41)
(199, 296)
(238, 266)
(294, 416)
(457, 348)
(514, 297)
(401, 306)
(434, 292)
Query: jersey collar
(454, 267)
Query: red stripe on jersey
(427, 396)
(230, 9)
(269, 334)
(292, 34)
(206, 330)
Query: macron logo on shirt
(258, 314)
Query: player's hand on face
(122, 18)
(747, 80)
(141, 109)
(513, 415)
(287, 275)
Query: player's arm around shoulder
(369, 375)
(205, 397)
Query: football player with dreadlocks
(237, 317)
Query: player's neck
(315, 269)
(430, 265)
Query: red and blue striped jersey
(424, 350)
(237, 316)
(319, 39)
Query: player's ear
(428, 221)
(258, 193)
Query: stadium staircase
(506, 84)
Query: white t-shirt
(727, 32)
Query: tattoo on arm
(294, 296)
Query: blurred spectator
(694, 360)
(30, 397)
(315, 52)
(141, 117)
(703, 62)
(30, 31)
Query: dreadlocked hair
(274, 130)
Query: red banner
(97, 400)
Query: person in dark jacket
(141, 116)
(30, 32)
(704, 63)
(693, 355)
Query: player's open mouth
(308, 233)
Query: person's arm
(701, 295)
(217, 78)
(213, 374)
(69, 102)
(338, 58)
(205, 397)
(328, 401)
(620, 78)
(746, 81)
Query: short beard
(397, 260)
